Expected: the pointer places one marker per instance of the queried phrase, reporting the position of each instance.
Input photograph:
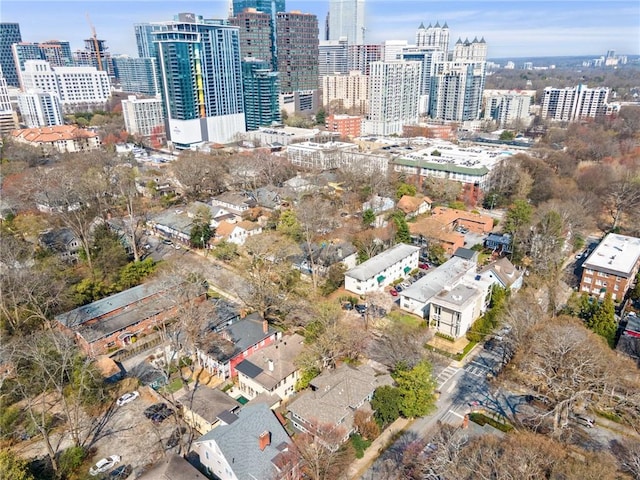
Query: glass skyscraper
(9, 34)
(144, 40)
(201, 79)
(261, 92)
(346, 19)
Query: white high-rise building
(574, 103)
(144, 117)
(8, 118)
(392, 50)
(433, 36)
(77, 87)
(429, 56)
(394, 91)
(347, 93)
(508, 108)
(40, 109)
(346, 19)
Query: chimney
(265, 327)
(270, 364)
(264, 440)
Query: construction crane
(96, 43)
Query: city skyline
(511, 29)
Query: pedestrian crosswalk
(477, 369)
(455, 414)
(445, 375)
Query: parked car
(104, 465)
(398, 288)
(393, 292)
(361, 309)
(423, 266)
(162, 415)
(126, 398)
(166, 241)
(121, 473)
(153, 409)
(347, 306)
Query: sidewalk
(360, 465)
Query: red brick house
(119, 320)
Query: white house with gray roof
(253, 446)
(383, 269)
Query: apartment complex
(144, 117)
(361, 56)
(394, 89)
(574, 103)
(77, 87)
(508, 108)
(349, 93)
(40, 109)
(261, 93)
(63, 138)
(348, 126)
(137, 75)
(201, 79)
(8, 118)
(144, 40)
(256, 35)
(333, 57)
(611, 267)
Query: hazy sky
(512, 28)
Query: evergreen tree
(402, 229)
(603, 320)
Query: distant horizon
(513, 30)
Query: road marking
(456, 414)
(479, 364)
(451, 387)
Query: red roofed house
(64, 138)
(237, 232)
(414, 206)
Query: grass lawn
(411, 320)
(482, 419)
(173, 386)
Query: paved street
(460, 385)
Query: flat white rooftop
(616, 254)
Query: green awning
(381, 278)
(407, 269)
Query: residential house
(504, 274)
(271, 370)
(500, 243)
(173, 224)
(325, 255)
(629, 341)
(296, 186)
(382, 270)
(120, 319)
(235, 202)
(216, 213)
(237, 233)
(268, 197)
(223, 347)
(172, 467)
(380, 207)
(62, 242)
(417, 298)
(333, 398)
(414, 206)
(453, 311)
(430, 229)
(474, 222)
(611, 267)
(205, 408)
(63, 138)
(254, 446)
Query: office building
(346, 19)
(433, 36)
(333, 57)
(394, 91)
(137, 75)
(256, 35)
(574, 103)
(9, 34)
(40, 109)
(79, 88)
(361, 56)
(144, 40)
(346, 93)
(297, 49)
(201, 80)
(8, 118)
(144, 118)
(508, 108)
(261, 93)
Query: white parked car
(127, 397)
(104, 465)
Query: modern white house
(383, 269)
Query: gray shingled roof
(173, 468)
(436, 279)
(377, 264)
(238, 442)
(209, 403)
